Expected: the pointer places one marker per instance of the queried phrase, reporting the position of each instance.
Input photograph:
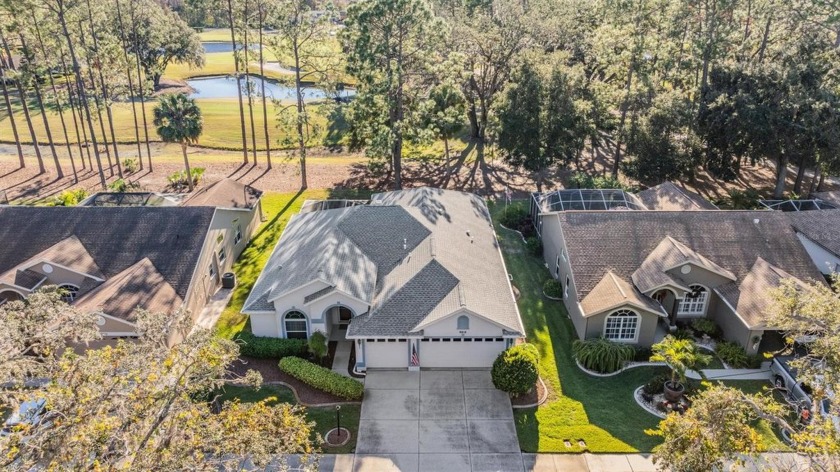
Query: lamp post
(338, 420)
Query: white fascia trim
(727, 276)
(459, 311)
(306, 284)
(619, 305)
(105, 315)
(342, 292)
(669, 286)
(45, 261)
(119, 333)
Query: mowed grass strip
(600, 411)
(324, 418)
(278, 208)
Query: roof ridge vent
(405, 244)
(432, 246)
(462, 297)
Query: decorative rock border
(627, 366)
(637, 395)
(539, 402)
(329, 444)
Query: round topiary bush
(553, 288)
(515, 370)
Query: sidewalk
(548, 463)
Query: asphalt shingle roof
(413, 255)
(734, 240)
(225, 193)
(668, 197)
(820, 226)
(114, 237)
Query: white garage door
(469, 352)
(383, 353)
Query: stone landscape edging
(629, 365)
(515, 231)
(644, 406)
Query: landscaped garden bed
(272, 374)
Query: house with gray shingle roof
(111, 259)
(630, 276)
(414, 279)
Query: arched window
(622, 325)
(463, 322)
(694, 302)
(295, 323)
(9, 296)
(69, 292)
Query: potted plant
(680, 355)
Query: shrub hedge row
(322, 378)
(271, 348)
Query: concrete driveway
(436, 420)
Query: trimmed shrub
(683, 333)
(601, 355)
(318, 345)
(642, 354)
(705, 326)
(69, 197)
(656, 385)
(553, 288)
(515, 370)
(269, 348)
(513, 216)
(733, 354)
(534, 246)
(322, 378)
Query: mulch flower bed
(271, 373)
(337, 437)
(531, 397)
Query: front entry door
(344, 317)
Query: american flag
(415, 361)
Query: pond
(225, 87)
(219, 46)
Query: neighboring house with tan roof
(629, 275)
(416, 275)
(819, 233)
(113, 259)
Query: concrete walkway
(213, 309)
(342, 357)
(538, 463)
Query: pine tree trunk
(73, 110)
(11, 112)
(248, 87)
(130, 83)
(301, 116)
(36, 87)
(81, 89)
(105, 95)
(781, 176)
(96, 101)
(187, 166)
(238, 82)
(265, 107)
(140, 85)
(57, 99)
(11, 66)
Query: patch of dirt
(271, 373)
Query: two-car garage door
(434, 353)
(460, 352)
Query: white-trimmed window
(69, 292)
(694, 303)
(563, 254)
(463, 323)
(622, 325)
(222, 256)
(212, 271)
(295, 324)
(566, 288)
(237, 234)
(557, 267)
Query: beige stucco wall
(449, 327)
(553, 245)
(647, 325)
(733, 328)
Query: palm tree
(680, 355)
(177, 119)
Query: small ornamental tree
(680, 355)
(515, 370)
(318, 345)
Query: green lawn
(277, 208)
(324, 418)
(601, 411)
